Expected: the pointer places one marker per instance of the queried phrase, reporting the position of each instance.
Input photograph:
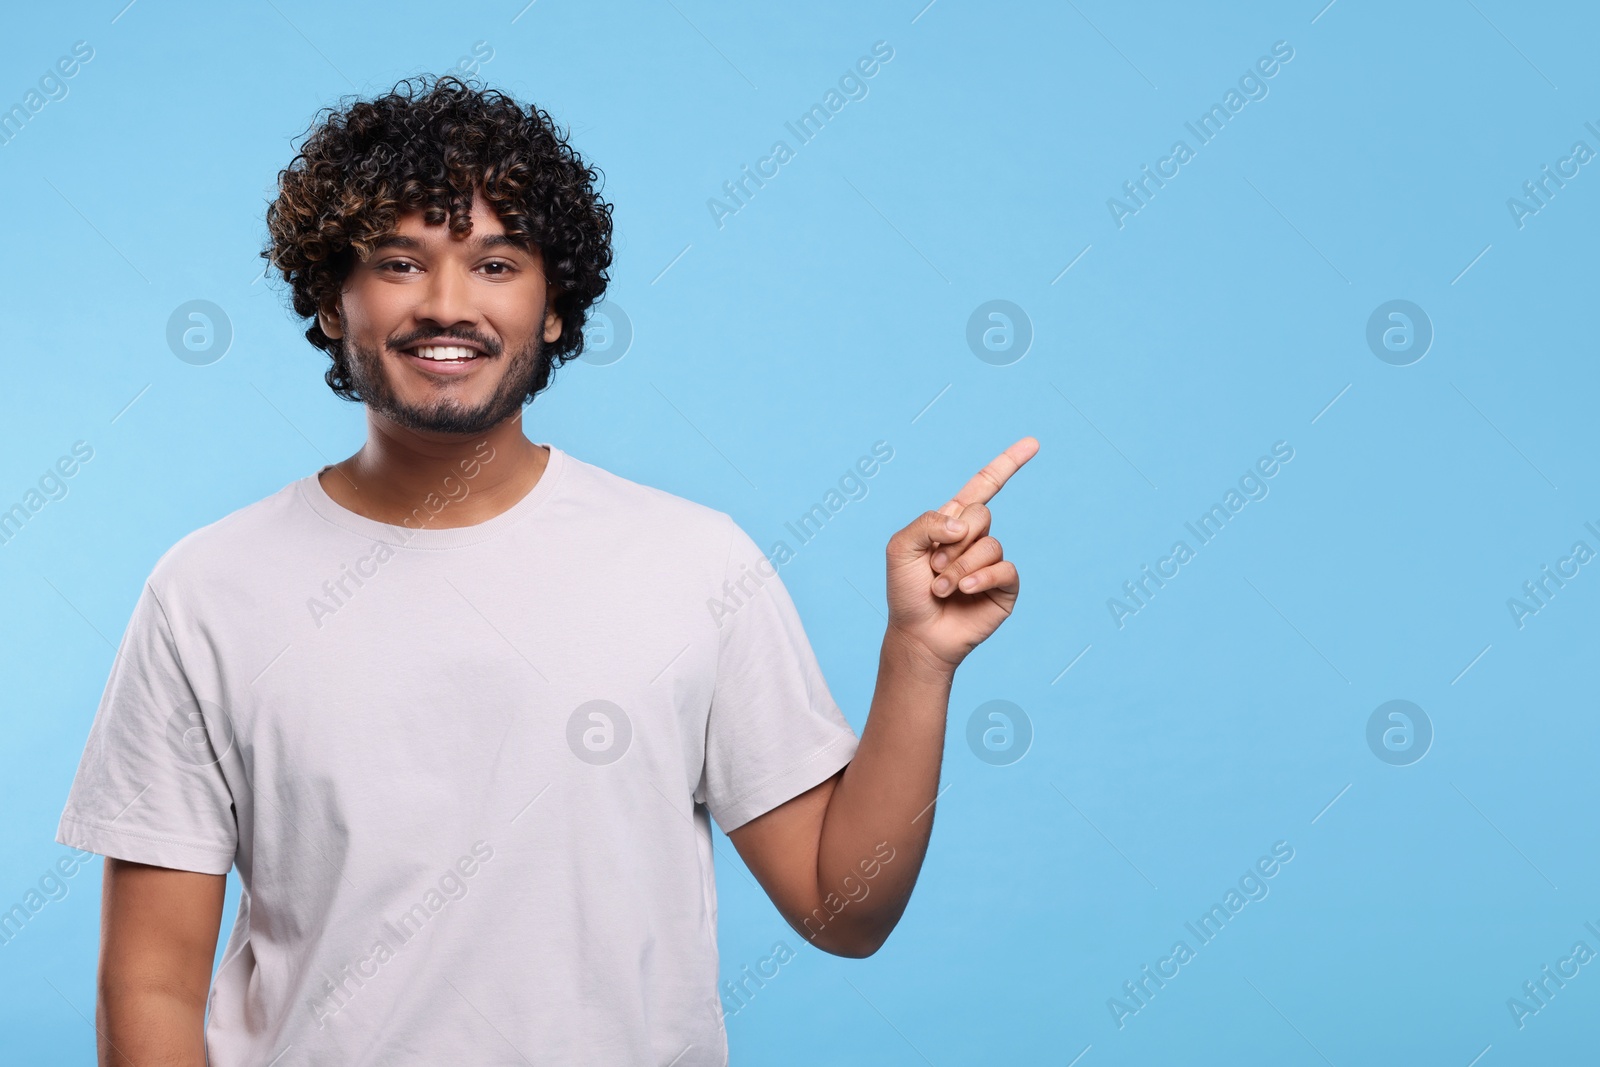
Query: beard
(447, 414)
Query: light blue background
(828, 314)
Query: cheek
(514, 313)
(371, 315)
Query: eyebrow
(483, 241)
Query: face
(424, 293)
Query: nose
(446, 299)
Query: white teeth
(453, 353)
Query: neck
(398, 470)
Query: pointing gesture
(949, 589)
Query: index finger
(982, 487)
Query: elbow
(850, 928)
(850, 941)
(855, 950)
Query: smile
(445, 360)
(445, 354)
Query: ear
(552, 324)
(328, 319)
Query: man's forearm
(880, 816)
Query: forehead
(482, 214)
(413, 231)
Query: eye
(506, 267)
(396, 263)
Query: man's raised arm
(839, 861)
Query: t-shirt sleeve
(774, 730)
(149, 787)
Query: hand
(946, 623)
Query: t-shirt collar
(419, 531)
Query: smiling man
(461, 708)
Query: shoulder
(235, 542)
(647, 508)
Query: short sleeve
(149, 787)
(774, 730)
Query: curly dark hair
(430, 147)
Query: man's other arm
(158, 938)
(840, 860)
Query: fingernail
(942, 586)
(969, 581)
(954, 526)
(939, 560)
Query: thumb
(929, 529)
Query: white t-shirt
(466, 774)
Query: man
(461, 707)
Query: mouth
(444, 359)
